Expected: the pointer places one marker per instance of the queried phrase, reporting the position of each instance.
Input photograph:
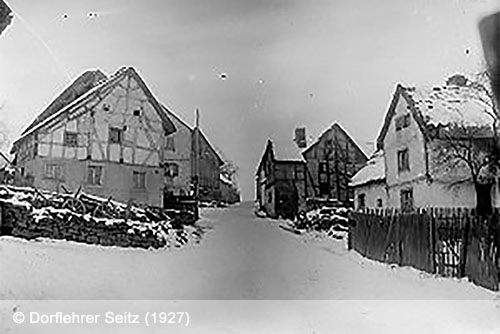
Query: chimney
(300, 137)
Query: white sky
(288, 63)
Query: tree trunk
(483, 199)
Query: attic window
(106, 107)
(402, 121)
(403, 160)
(70, 139)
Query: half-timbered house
(105, 135)
(331, 161)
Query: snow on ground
(246, 257)
(241, 257)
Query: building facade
(106, 136)
(331, 161)
(420, 166)
(206, 164)
(281, 184)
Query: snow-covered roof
(287, 150)
(451, 105)
(225, 179)
(374, 170)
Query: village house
(111, 137)
(369, 184)
(103, 135)
(331, 162)
(423, 149)
(207, 167)
(229, 190)
(177, 159)
(281, 181)
(180, 164)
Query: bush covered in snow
(332, 220)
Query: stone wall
(22, 220)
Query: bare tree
(472, 147)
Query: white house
(417, 163)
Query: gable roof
(172, 115)
(288, 154)
(440, 107)
(268, 152)
(286, 151)
(81, 85)
(336, 127)
(373, 171)
(205, 140)
(101, 88)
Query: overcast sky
(288, 63)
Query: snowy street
(240, 257)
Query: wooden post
(1, 218)
(432, 236)
(463, 253)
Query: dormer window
(402, 121)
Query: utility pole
(196, 163)
(337, 171)
(196, 166)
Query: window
(299, 174)
(53, 171)
(139, 180)
(402, 121)
(170, 143)
(361, 201)
(95, 175)
(406, 197)
(115, 135)
(403, 160)
(171, 170)
(379, 202)
(323, 166)
(70, 139)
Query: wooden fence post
(463, 255)
(432, 228)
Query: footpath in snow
(242, 257)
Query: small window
(53, 171)
(299, 174)
(406, 197)
(379, 202)
(403, 160)
(115, 135)
(170, 144)
(137, 112)
(139, 180)
(70, 139)
(323, 166)
(94, 175)
(171, 170)
(402, 121)
(361, 201)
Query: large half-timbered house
(105, 135)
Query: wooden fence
(453, 243)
